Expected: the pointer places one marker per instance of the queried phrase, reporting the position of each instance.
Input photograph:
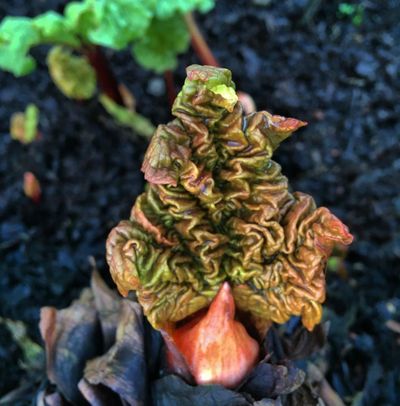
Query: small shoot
(24, 126)
(31, 187)
(128, 117)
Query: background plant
(155, 32)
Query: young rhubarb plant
(153, 30)
(217, 229)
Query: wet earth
(299, 58)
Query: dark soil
(310, 63)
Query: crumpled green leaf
(54, 29)
(72, 74)
(17, 36)
(112, 24)
(163, 40)
(218, 208)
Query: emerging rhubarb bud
(217, 208)
(216, 347)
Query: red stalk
(198, 42)
(105, 76)
(170, 85)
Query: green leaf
(168, 8)
(81, 17)
(164, 39)
(53, 29)
(156, 25)
(110, 23)
(141, 125)
(121, 21)
(72, 74)
(17, 36)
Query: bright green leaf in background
(17, 36)
(120, 22)
(164, 39)
(52, 28)
(154, 28)
(72, 74)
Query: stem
(105, 76)
(198, 42)
(170, 85)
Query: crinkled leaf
(82, 16)
(172, 391)
(17, 36)
(158, 163)
(218, 208)
(72, 74)
(126, 117)
(53, 29)
(71, 336)
(110, 23)
(163, 40)
(120, 22)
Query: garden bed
(315, 64)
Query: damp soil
(297, 58)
